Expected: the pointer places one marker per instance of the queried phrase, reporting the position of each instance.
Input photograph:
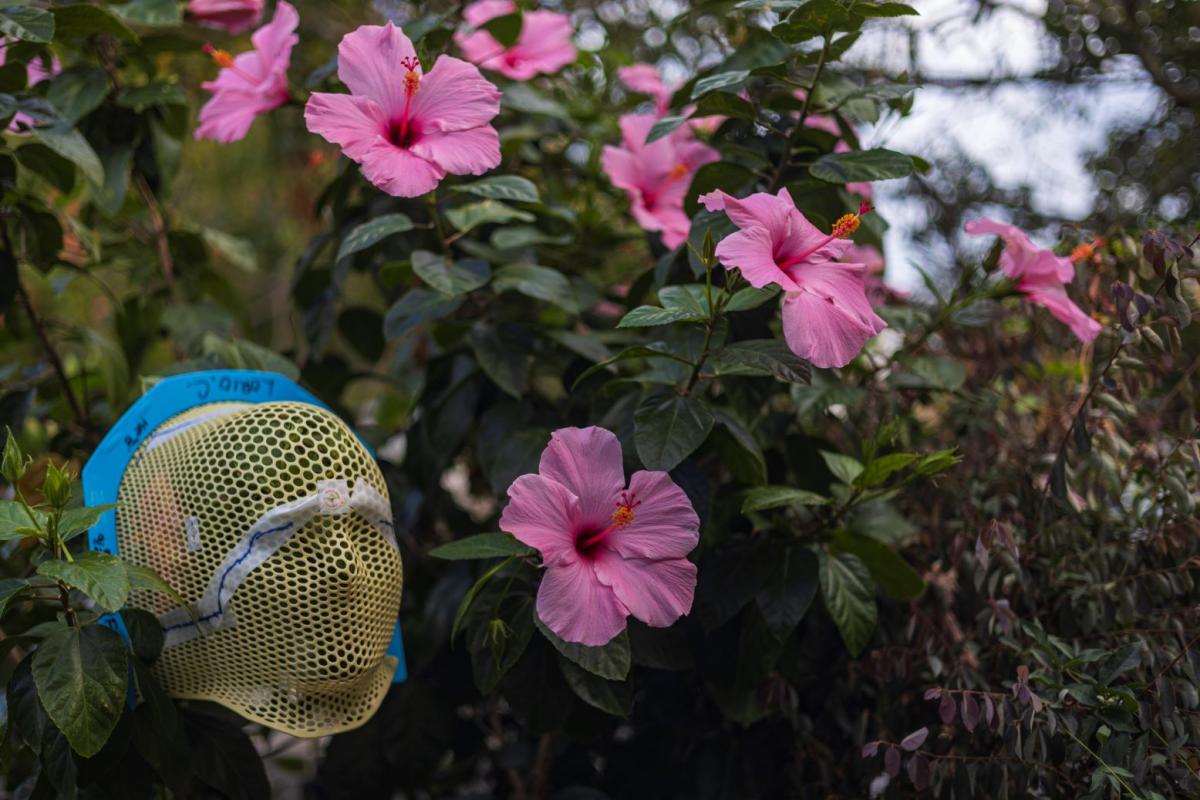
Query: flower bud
(14, 463)
(57, 486)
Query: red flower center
(400, 132)
(589, 538)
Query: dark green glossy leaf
(610, 661)
(849, 596)
(892, 573)
(27, 23)
(100, 576)
(70, 144)
(611, 696)
(665, 127)
(370, 233)
(505, 29)
(760, 357)
(75, 521)
(482, 545)
(668, 427)
(789, 591)
(82, 679)
(450, 278)
(862, 165)
(767, 497)
(85, 19)
(416, 307)
(502, 187)
(732, 79)
(541, 283)
(485, 212)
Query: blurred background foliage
(1015, 608)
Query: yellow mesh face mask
(272, 521)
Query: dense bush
(955, 555)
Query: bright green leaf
(100, 576)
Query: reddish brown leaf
(891, 762)
(970, 712)
(947, 709)
(870, 749)
(915, 739)
(918, 772)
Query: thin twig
(162, 240)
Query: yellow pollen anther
(412, 82)
(623, 516)
(678, 171)
(846, 225)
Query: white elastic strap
(272, 530)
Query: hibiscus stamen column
(845, 227)
(412, 82)
(224, 60)
(621, 518)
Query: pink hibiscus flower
(36, 71)
(234, 16)
(252, 83)
(407, 128)
(656, 176)
(609, 551)
(826, 315)
(544, 46)
(1040, 275)
(645, 79)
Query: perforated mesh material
(306, 653)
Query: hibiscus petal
(356, 124)
(588, 462)
(543, 514)
(545, 44)
(762, 210)
(275, 40)
(471, 152)
(664, 523)
(644, 79)
(480, 47)
(454, 96)
(752, 251)
(228, 115)
(399, 172)
(634, 129)
(825, 333)
(481, 11)
(656, 592)
(621, 166)
(845, 284)
(369, 63)
(578, 607)
(1053, 296)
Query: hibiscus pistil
(412, 82)
(224, 60)
(845, 227)
(621, 518)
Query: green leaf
(816, 18)
(844, 468)
(502, 187)
(77, 92)
(669, 427)
(47, 163)
(738, 449)
(14, 521)
(679, 304)
(100, 576)
(469, 597)
(485, 212)
(665, 126)
(75, 521)
(892, 573)
(610, 661)
(766, 497)
(155, 93)
(725, 105)
(146, 636)
(849, 596)
(760, 357)
(651, 350)
(502, 359)
(862, 165)
(944, 374)
(884, 9)
(370, 233)
(751, 297)
(612, 697)
(650, 316)
(482, 545)
(83, 20)
(10, 590)
(27, 24)
(505, 29)
(70, 144)
(937, 463)
(81, 676)
(143, 577)
(151, 12)
(880, 469)
(789, 591)
(450, 278)
(540, 283)
(416, 307)
(722, 80)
